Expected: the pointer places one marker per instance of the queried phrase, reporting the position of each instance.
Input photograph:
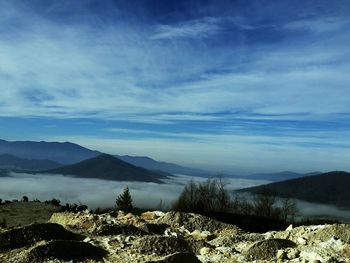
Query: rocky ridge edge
(168, 237)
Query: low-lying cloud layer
(102, 193)
(99, 193)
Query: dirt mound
(267, 249)
(168, 237)
(161, 245)
(196, 245)
(64, 250)
(29, 235)
(81, 222)
(228, 240)
(194, 221)
(341, 232)
(119, 229)
(151, 228)
(178, 258)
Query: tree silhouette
(124, 201)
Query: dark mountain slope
(328, 188)
(8, 161)
(108, 167)
(65, 153)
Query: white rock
(206, 234)
(128, 239)
(204, 251)
(317, 227)
(301, 241)
(87, 239)
(269, 235)
(224, 249)
(169, 233)
(333, 244)
(159, 213)
(184, 230)
(289, 228)
(218, 258)
(311, 256)
(281, 254)
(292, 253)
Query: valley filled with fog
(102, 193)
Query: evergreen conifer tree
(124, 201)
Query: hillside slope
(65, 153)
(280, 176)
(108, 167)
(8, 161)
(327, 188)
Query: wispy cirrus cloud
(197, 28)
(118, 73)
(319, 25)
(169, 74)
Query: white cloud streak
(163, 74)
(198, 28)
(319, 25)
(118, 73)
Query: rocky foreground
(167, 237)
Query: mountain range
(70, 153)
(64, 153)
(151, 164)
(8, 161)
(34, 156)
(279, 176)
(108, 167)
(328, 188)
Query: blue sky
(239, 86)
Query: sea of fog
(102, 193)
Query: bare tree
(264, 203)
(188, 199)
(289, 209)
(203, 197)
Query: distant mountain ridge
(65, 152)
(280, 176)
(70, 153)
(8, 161)
(108, 167)
(151, 164)
(328, 188)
